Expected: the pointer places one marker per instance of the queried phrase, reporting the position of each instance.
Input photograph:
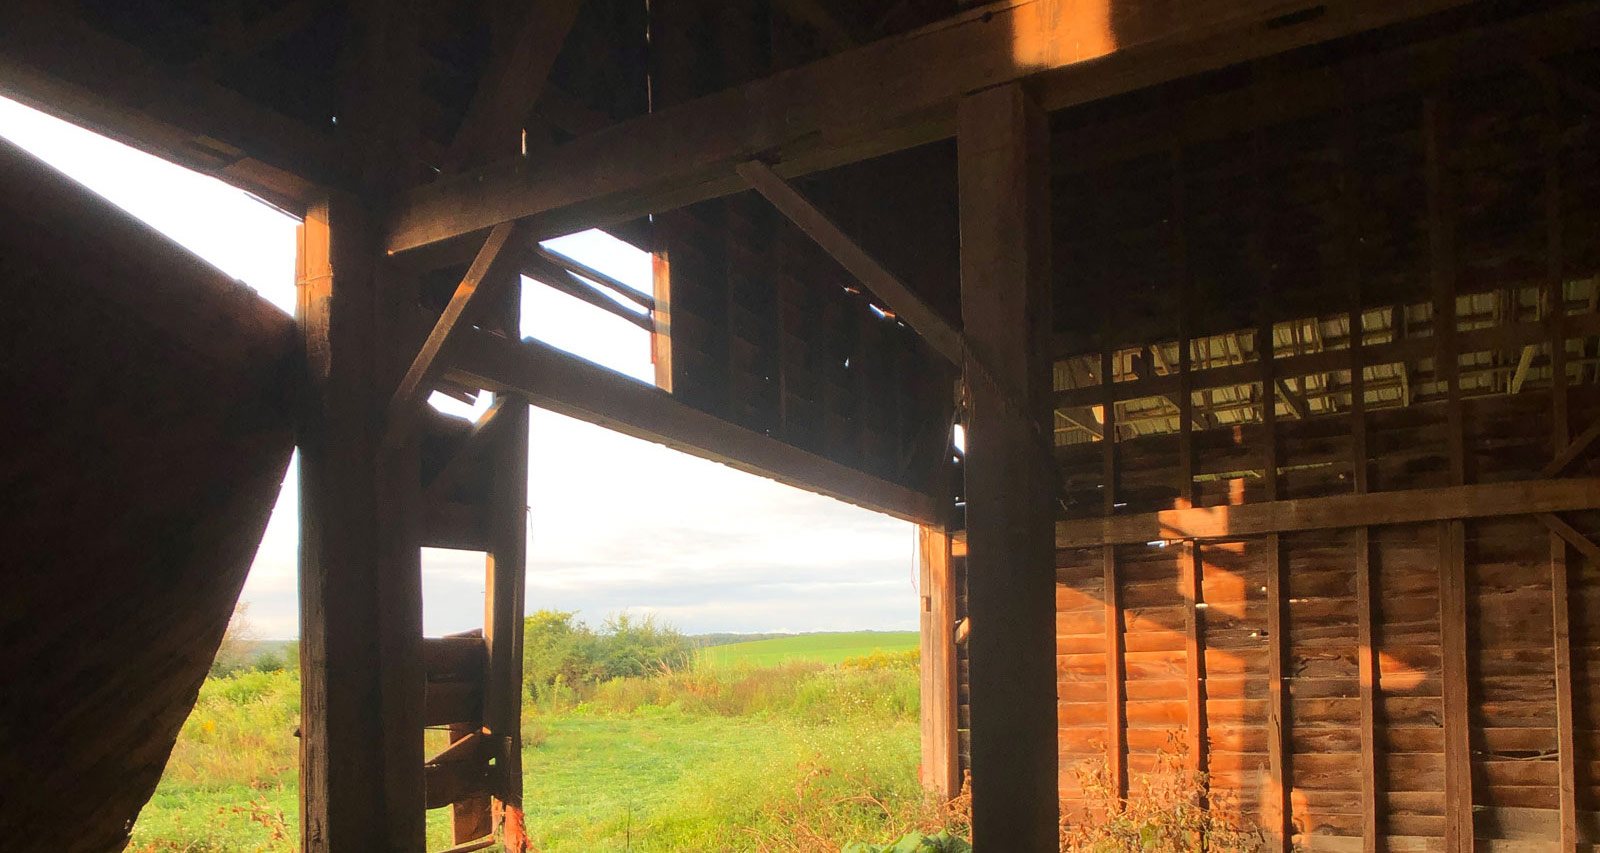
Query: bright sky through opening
(615, 523)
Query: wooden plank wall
(1461, 213)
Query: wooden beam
(1411, 506)
(1454, 674)
(1572, 450)
(1566, 735)
(360, 579)
(643, 300)
(492, 268)
(1294, 400)
(1360, 77)
(556, 277)
(1276, 812)
(834, 34)
(1191, 584)
(505, 581)
(820, 116)
(885, 285)
(1003, 179)
(562, 383)
(1453, 605)
(1402, 350)
(1524, 363)
(55, 62)
(515, 78)
(1582, 543)
(472, 446)
(1367, 674)
(941, 760)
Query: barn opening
(1270, 327)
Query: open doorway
(792, 711)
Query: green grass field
(801, 756)
(817, 648)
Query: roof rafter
(819, 115)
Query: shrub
(564, 660)
(1173, 810)
(909, 660)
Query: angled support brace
(489, 269)
(939, 334)
(1582, 543)
(1572, 451)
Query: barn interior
(1271, 328)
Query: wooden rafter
(820, 116)
(512, 84)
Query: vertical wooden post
(1111, 595)
(1366, 647)
(940, 759)
(1190, 565)
(1004, 177)
(1276, 812)
(505, 583)
(661, 339)
(1191, 583)
(1452, 534)
(360, 577)
(1554, 311)
(1566, 738)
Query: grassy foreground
(802, 756)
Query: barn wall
(1208, 300)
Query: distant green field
(821, 648)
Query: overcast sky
(615, 523)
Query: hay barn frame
(1272, 326)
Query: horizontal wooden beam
(1507, 337)
(568, 385)
(1369, 510)
(821, 115)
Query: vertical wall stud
(1452, 534)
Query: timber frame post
(1003, 176)
(360, 573)
(941, 763)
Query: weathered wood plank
(1003, 176)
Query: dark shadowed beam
(55, 62)
(515, 79)
(554, 380)
(820, 115)
(1003, 175)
